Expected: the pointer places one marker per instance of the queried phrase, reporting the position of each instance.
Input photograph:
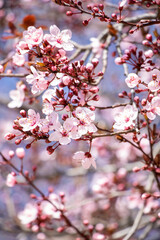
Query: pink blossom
(11, 180)
(29, 214)
(38, 81)
(53, 121)
(132, 80)
(148, 53)
(61, 135)
(47, 103)
(59, 39)
(47, 108)
(126, 118)
(57, 79)
(52, 210)
(18, 60)
(86, 159)
(153, 108)
(71, 125)
(49, 94)
(154, 85)
(33, 37)
(85, 116)
(30, 122)
(22, 47)
(64, 134)
(17, 96)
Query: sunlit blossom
(126, 118)
(59, 39)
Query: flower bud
(9, 136)
(20, 152)
(149, 37)
(69, 13)
(145, 196)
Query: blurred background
(93, 194)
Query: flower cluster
(41, 214)
(65, 86)
(137, 59)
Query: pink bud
(85, 222)
(69, 13)
(62, 194)
(149, 37)
(156, 195)
(35, 228)
(99, 227)
(33, 196)
(18, 141)
(146, 43)
(41, 236)
(23, 113)
(60, 229)
(11, 154)
(96, 98)
(148, 53)
(145, 195)
(9, 136)
(144, 102)
(92, 108)
(94, 89)
(136, 169)
(89, 67)
(66, 80)
(118, 61)
(20, 152)
(95, 62)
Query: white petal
(64, 140)
(54, 30)
(55, 136)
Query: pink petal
(54, 30)
(64, 140)
(55, 136)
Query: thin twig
(20, 75)
(140, 213)
(64, 217)
(110, 107)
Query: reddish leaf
(12, 27)
(28, 20)
(112, 30)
